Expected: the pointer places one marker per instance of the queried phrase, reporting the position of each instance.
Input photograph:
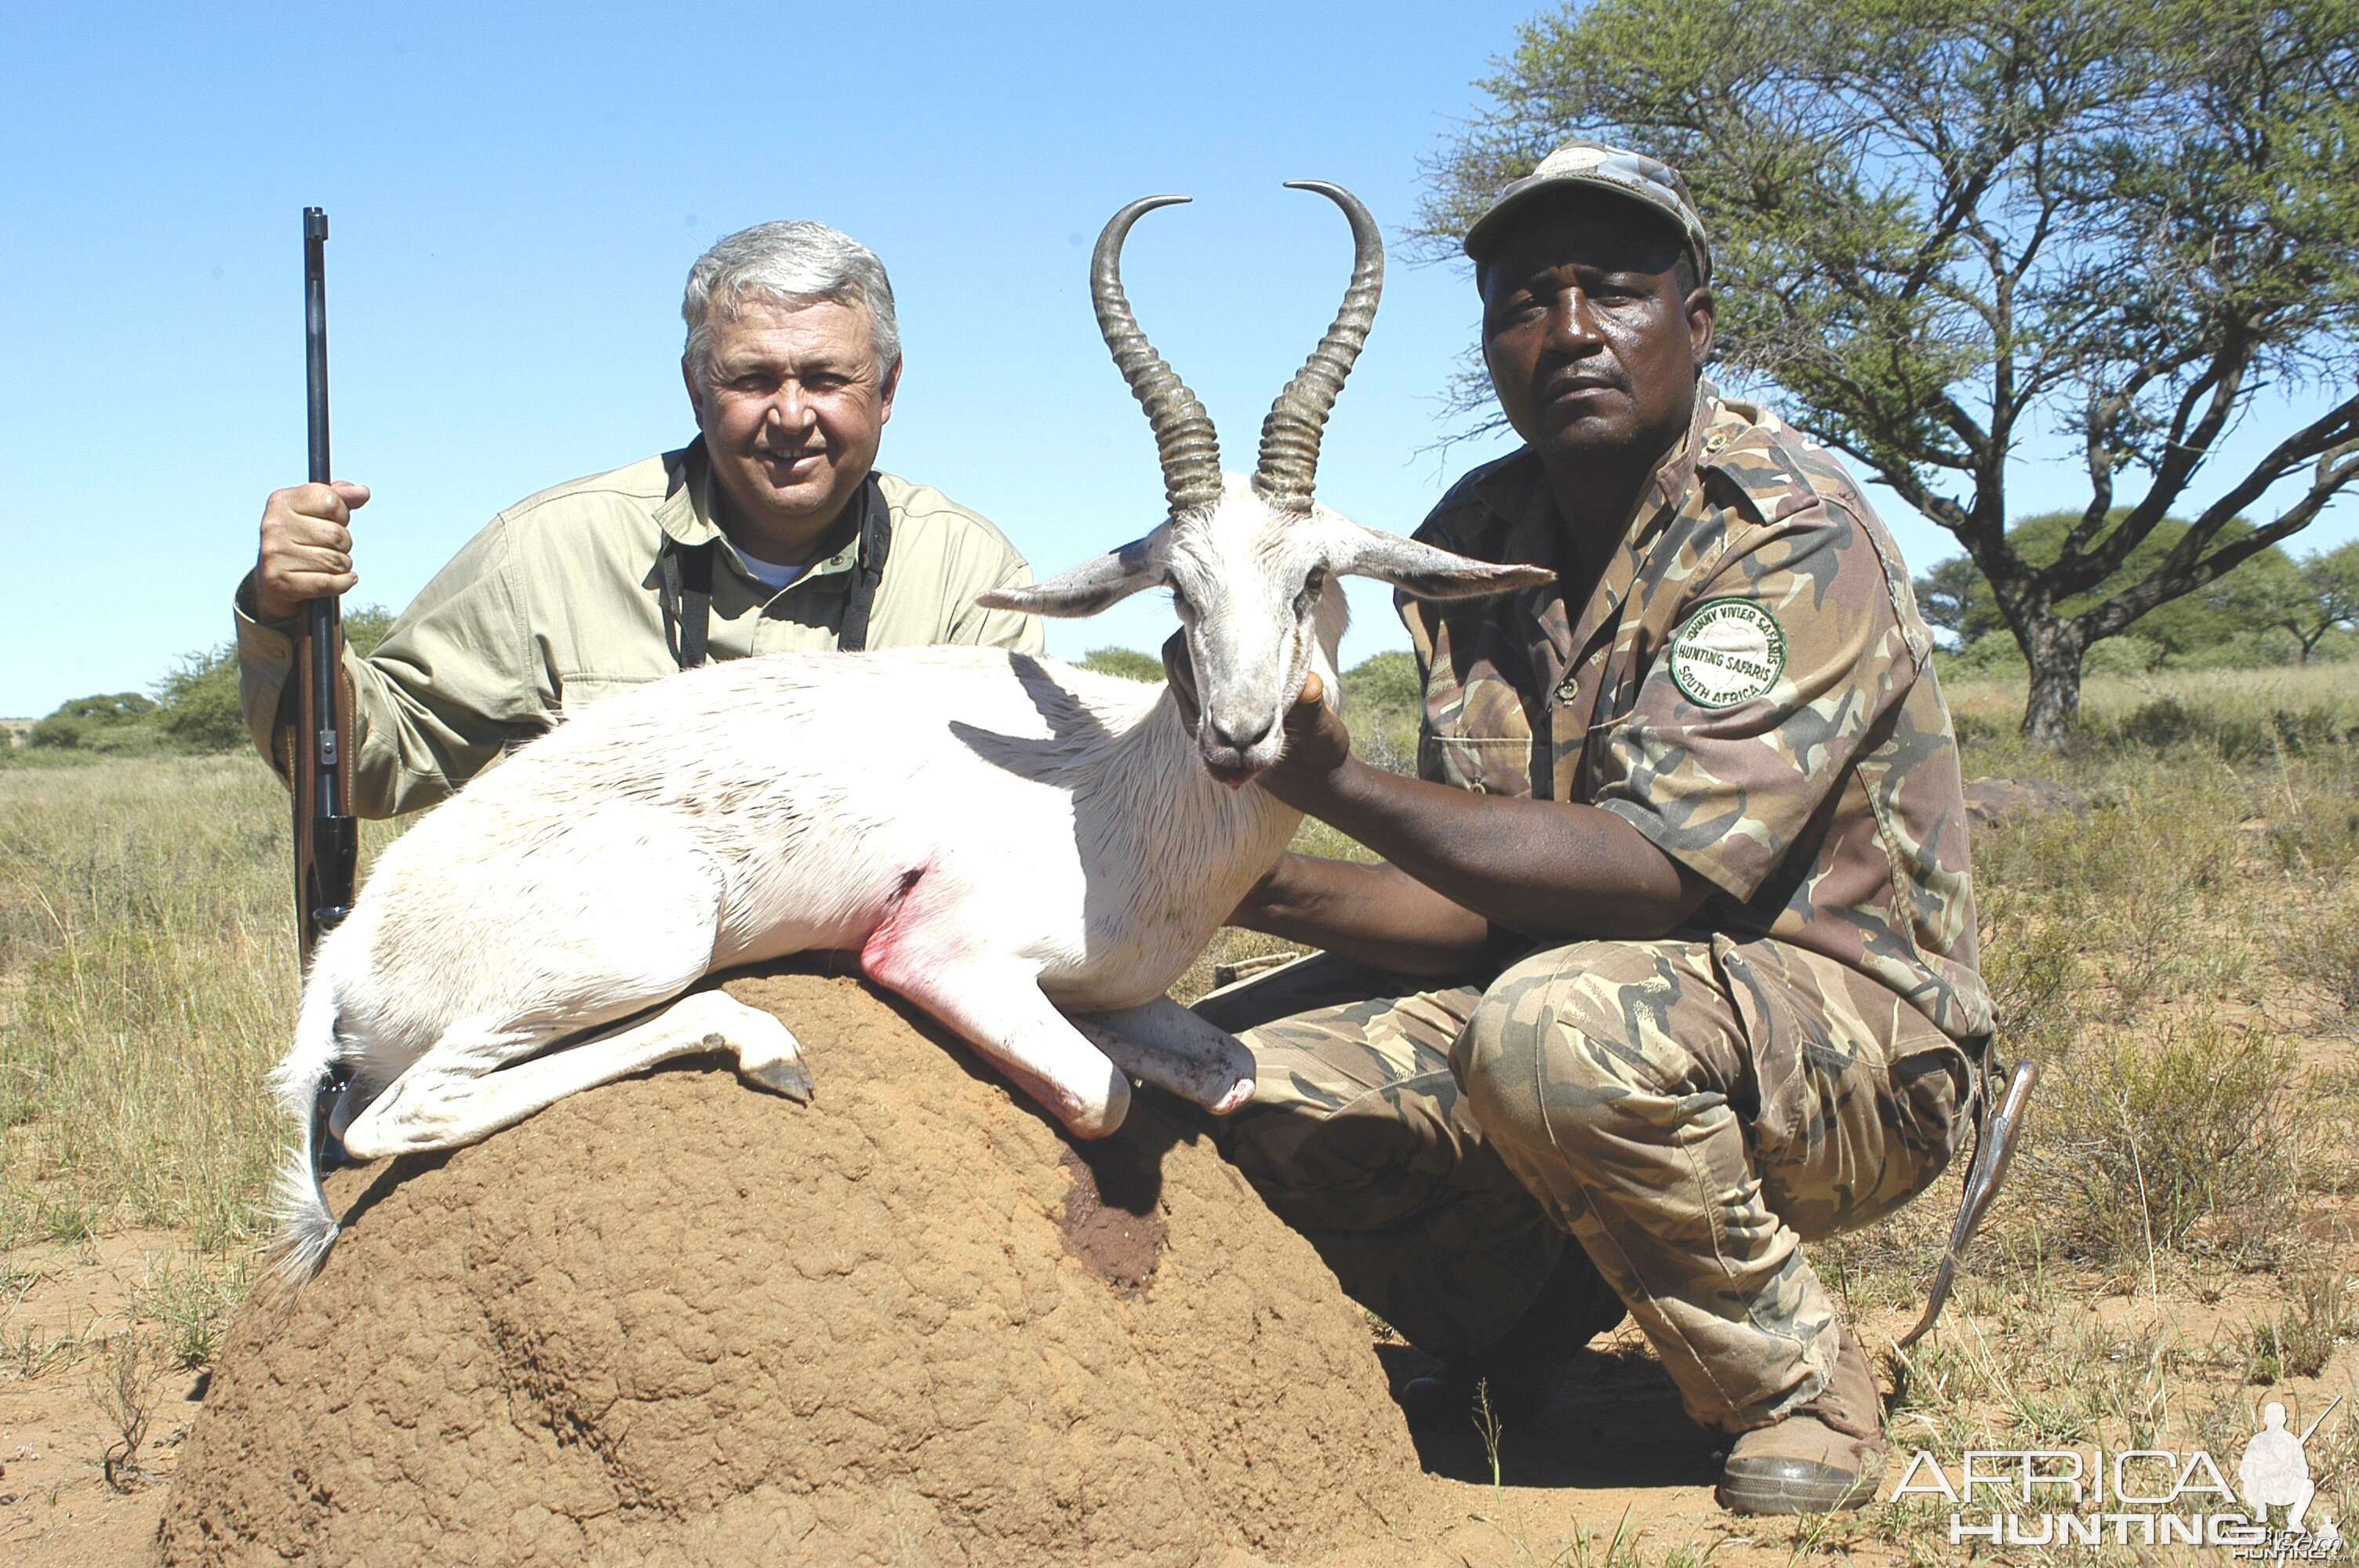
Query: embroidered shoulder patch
(1730, 651)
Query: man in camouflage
(1673, 950)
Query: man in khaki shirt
(771, 532)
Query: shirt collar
(1675, 473)
(1515, 492)
(1509, 496)
(685, 514)
(1659, 500)
(1666, 489)
(1665, 493)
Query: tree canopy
(1944, 227)
(2304, 600)
(2270, 609)
(2182, 626)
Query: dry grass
(144, 922)
(2174, 1248)
(146, 981)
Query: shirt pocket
(1485, 744)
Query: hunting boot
(1826, 1455)
(1519, 1372)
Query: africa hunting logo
(1730, 651)
(2139, 1497)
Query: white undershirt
(769, 576)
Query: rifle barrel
(326, 842)
(315, 338)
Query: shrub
(198, 702)
(2298, 1343)
(2144, 1149)
(1384, 701)
(197, 707)
(1978, 734)
(2125, 655)
(2322, 947)
(366, 627)
(2237, 735)
(2034, 972)
(125, 1387)
(1982, 657)
(1127, 663)
(1386, 681)
(122, 722)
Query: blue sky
(515, 194)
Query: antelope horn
(1289, 436)
(1190, 452)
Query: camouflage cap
(1584, 164)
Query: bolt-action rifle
(327, 843)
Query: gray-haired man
(770, 531)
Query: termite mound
(673, 1320)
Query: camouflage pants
(1689, 1109)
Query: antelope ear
(1427, 573)
(1090, 587)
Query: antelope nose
(1238, 735)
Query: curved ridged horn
(1183, 431)
(1289, 436)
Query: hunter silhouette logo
(2275, 1474)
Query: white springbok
(1030, 852)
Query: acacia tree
(2307, 599)
(1942, 227)
(2329, 600)
(2243, 603)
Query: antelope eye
(1312, 587)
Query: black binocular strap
(867, 571)
(684, 574)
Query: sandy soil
(55, 1507)
(1610, 1452)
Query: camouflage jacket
(1748, 686)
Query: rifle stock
(327, 842)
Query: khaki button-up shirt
(555, 604)
(1749, 685)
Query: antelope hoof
(768, 1055)
(787, 1075)
(1234, 1100)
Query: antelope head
(1252, 562)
